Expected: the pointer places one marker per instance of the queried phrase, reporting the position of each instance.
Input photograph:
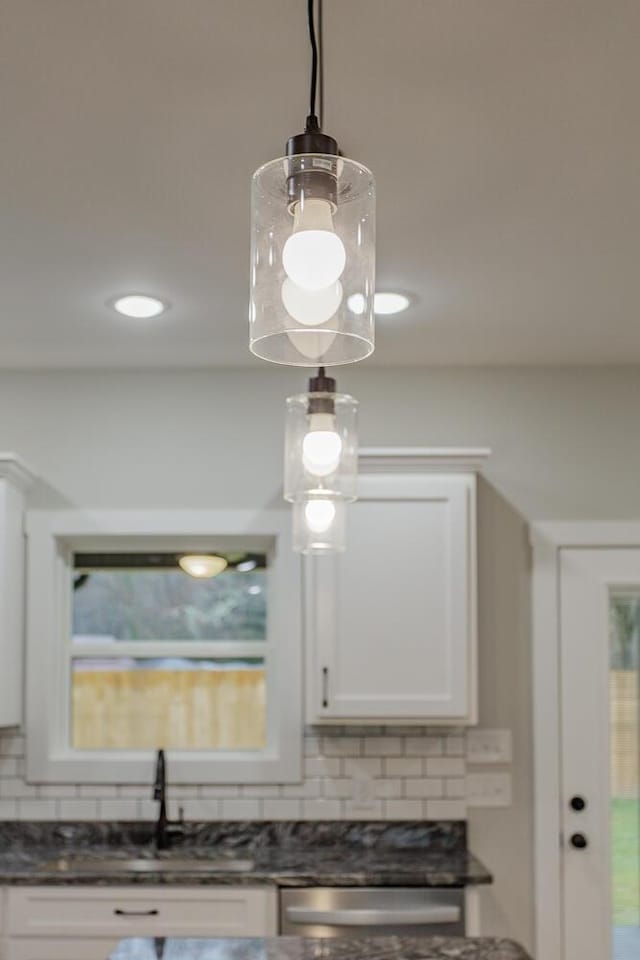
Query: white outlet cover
(488, 789)
(489, 746)
(362, 791)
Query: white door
(600, 723)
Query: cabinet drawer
(141, 911)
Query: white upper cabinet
(15, 478)
(391, 623)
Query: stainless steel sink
(110, 864)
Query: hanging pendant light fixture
(321, 462)
(312, 249)
(321, 445)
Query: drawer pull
(136, 913)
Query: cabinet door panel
(53, 948)
(391, 620)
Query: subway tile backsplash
(416, 773)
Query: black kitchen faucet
(165, 828)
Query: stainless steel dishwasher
(371, 911)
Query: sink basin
(109, 864)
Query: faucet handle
(181, 814)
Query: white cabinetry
(391, 623)
(65, 923)
(15, 478)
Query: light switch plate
(489, 746)
(488, 789)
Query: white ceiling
(504, 136)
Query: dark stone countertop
(284, 854)
(303, 948)
(302, 868)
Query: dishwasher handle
(412, 916)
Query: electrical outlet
(489, 746)
(488, 789)
(362, 793)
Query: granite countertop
(426, 854)
(303, 948)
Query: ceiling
(503, 134)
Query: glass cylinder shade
(321, 447)
(319, 526)
(312, 248)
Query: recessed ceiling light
(388, 303)
(202, 566)
(384, 303)
(139, 306)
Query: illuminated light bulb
(202, 566)
(319, 515)
(312, 344)
(311, 307)
(313, 256)
(321, 446)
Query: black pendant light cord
(312, 120)
(313, 140)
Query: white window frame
(53, 537)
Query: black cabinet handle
(136, 913)
(325, 686)
(577, 803)
(578, 840)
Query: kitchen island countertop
(305, 948)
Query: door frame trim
(547, 540)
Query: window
(624, 758)
(145, 671)
(128, 652)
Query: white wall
(564, 447)
(204, 437)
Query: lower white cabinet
(65, 923)
(80, 948)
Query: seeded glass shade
(310, 252)
(321, 447)
(319, 526)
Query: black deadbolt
(578, 840)
(577, 803)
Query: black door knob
(577, 803)
(578, 840)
